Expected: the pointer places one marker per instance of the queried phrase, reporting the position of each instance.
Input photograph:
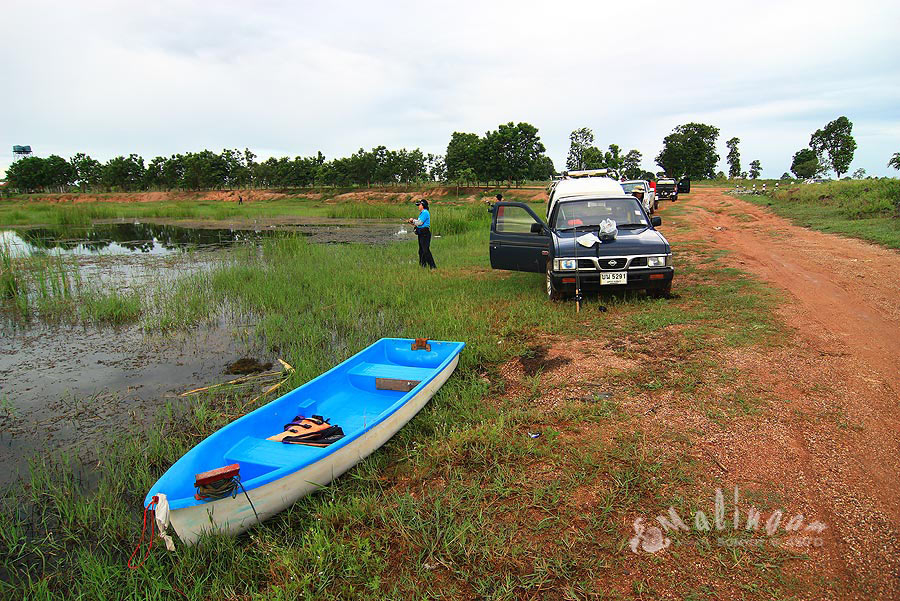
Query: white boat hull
(235, 515)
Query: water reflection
(121, 239)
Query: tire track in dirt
(843, 368)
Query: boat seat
(266, 452)
(363, 375)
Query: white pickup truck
(650, 201)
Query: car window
(514, 220)
(624, 211)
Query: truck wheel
(660, 292)
(553, 293)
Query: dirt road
(838, 446)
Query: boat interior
(355, 395)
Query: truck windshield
(624, 211)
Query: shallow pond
(66, 387)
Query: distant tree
(834, 145)
(462, 153)
(785, 175)
(720, 175)
(88, 172)
(124, 173)
(592, 158)
(436, 167)
(631, 164)
(511, 150)
(649, 176)
(579, 140)
(805, 163)
(743, 175)
(755, 169)
(734, 157)
(894, 161)
(859, 173)
(27, 174)
(690, 151)
(542, 169)
(153, 176)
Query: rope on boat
(147, 509)
(224, 488)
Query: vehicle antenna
(577, 277)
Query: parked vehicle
(577, 183)
(650, 200)
(569, 250)
(667, 188)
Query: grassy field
(37, 210)
(865, 209)
(462, 503)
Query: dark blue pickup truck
(571, 247)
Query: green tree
(834, 145)
(26, 174)
(755, 169)
(631, 164)
(805, 163)
(462, 153)
(859, 173)
(88, 172)
(785, 175)
(579, 141)
(894, 161)
(510, 151)
(436, 167)
(734, 157)
(690, 151)
(153, 176)
(124, 173)
(542, 169)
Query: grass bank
(50, 287)
(355, 204)
(865, 209)
(462, 502)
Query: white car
(650, 201)
(580, 183)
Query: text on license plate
(616, 277)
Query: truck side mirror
(656, 221)
(537, 228)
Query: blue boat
(370, 396)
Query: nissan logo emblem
(612, 261)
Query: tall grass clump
(368, 211)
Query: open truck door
(520, 240)
(684, 185)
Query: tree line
(511, 153)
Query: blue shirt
(425, 218)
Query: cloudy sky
(292, 78)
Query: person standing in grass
(423, 231)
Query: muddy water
(65, 388)
(165, 238)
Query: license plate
(616, 277)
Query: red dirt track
(837, 444)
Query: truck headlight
(656, 261)
(565, 264)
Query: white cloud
(112, 77)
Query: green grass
(461, 503)
(865, 209)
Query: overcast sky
(292, 78)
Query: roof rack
(579, 173)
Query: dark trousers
(425, 258)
